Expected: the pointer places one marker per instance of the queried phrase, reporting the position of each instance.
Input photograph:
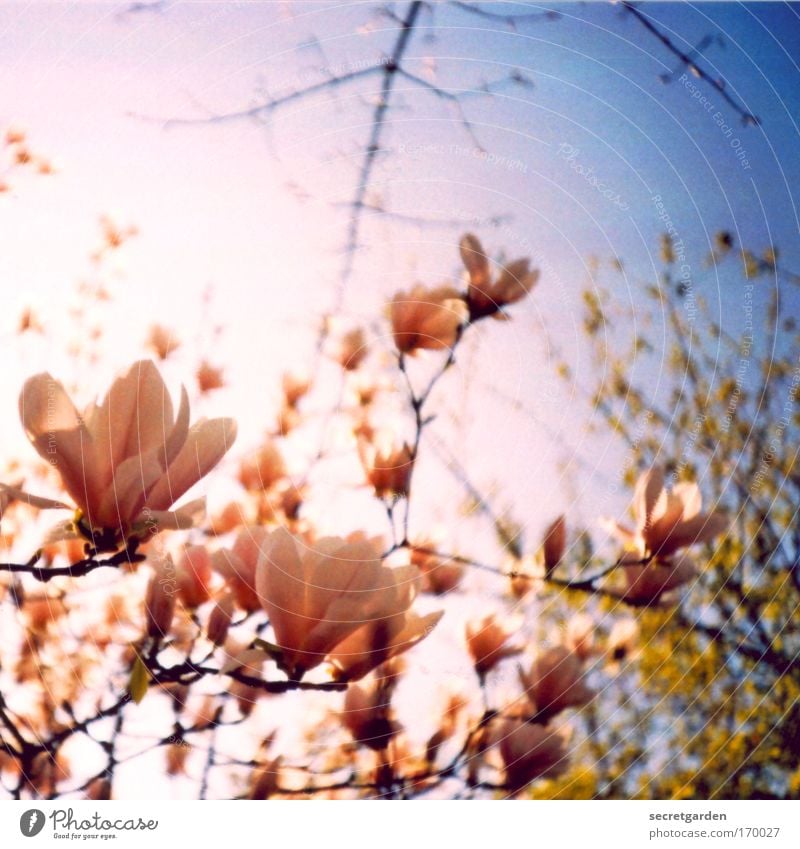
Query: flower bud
(487, 644)
(388, 468)
(99, 790)
(219, 620)
(555, 539)
(162, 593)
(266, 780)
(295, 386)
(193, 575)
(209, 377)
(352, 350)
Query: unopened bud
(219, 620)
(193, 575)
(266, 780)
(99, 790)
(555, 540)
(160, 598)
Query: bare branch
(688, 61)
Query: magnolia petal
(531, 751)
(366, 647)
(474, 259)
(649, 488)
(44, 406)
(515, 281)
(554, 542)
(415, 629)
(9, 494)
(228, 564)
(689, 496)
(344, 580)
(698, 530)
(56, 431)
(556, 681)
(206, 444)
(239, 574)
(180, 431)
(281, 586)
(182, 519)
(380, 641)
(111, 422)
(122, 500)
(646, 584)
(154, 418)
(456, 310)
(346, 609)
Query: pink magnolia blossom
(530, 751)
(335, 598)
(426, 319)
(667, 521)
(128, 459)
(486, 294)
(556, 682)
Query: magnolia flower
(388, 467)
(623, 640)
(28, 320)
(126, 460)
(487, 296)
(530, 751)
(162, 341)
(367, 715)
(295, 386)
(555, 682)
(261, 471)
(352, 349)
(487, 643)
(667, 521)
(289, 498)
(287, 420)
(426, 319)
(209, 377)
(335, 597)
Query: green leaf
(139, 680)
(275, 652)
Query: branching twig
(687, 60)
(128, 556)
